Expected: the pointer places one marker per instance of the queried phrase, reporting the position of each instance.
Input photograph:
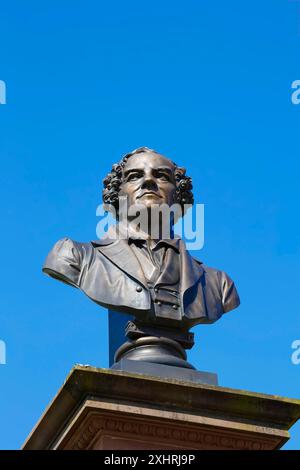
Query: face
(148, 179)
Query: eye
(133, 176)
(164, 177)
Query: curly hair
(113, 181)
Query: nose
(149, 182)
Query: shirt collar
(139, 236)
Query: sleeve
(230, 297)
(64, 262)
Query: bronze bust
(156, 280)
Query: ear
(176, 196)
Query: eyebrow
(138, 170)
(159, 168)
(165, 168)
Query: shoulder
(212, 272)
(65, 260)
(66, 247)
(220, 282)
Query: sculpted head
(149, 178)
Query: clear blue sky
(206, 83)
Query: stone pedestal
(115, 410)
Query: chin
(149, 203)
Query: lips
(149, 193)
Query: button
(175, 307)
(158, 302)
(156, 289)
(139, 289)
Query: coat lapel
(170, 273)
(120, 254)
(191, 271)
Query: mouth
(149, 193)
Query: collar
(172, 242)
(127, 232)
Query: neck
(159, 231)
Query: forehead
(148, 160)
